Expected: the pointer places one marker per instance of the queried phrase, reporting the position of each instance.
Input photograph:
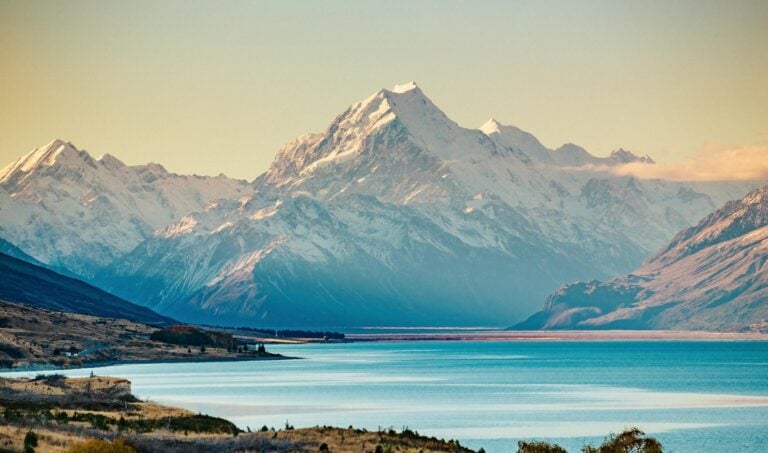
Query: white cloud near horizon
(715, 162)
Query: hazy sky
(210, 87)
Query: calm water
(693, 396)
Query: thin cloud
(714, 163)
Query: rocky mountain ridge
(712, 276)
(394, 214)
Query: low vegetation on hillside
(51, 413)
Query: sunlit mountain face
(712, 276)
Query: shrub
(539, 447)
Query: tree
(538, 447)
(630, 441)
(30, 442)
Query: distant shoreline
(562, 335)
(102, 364)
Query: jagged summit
(405, 87)
(513, 137)
(44, 156)
(60, 204)
(623, 156)
(491, 127)
(403, 111)
(110, 160)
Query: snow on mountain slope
(351, 261)
(396, 214)
(400, 148)
(568, 155)
(713, 276)
(70, 210)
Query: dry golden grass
(12, 437)
(100, 446)
(95, 384)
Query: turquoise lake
(693, 396)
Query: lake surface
(693, 396)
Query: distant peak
(55, 144)
(623, 156)
(110, 160)
(48, 155)
(491, 126)
(404, 88)
(571, 148)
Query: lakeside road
(557, 335)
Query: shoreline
(103, 364)
(562, 335)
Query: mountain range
(712, 276)
(394, 215)
(72, 211)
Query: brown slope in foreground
(713, 276)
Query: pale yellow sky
(209, 87)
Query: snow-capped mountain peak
(491, 127)
(513, 137)
(70, 210)
(352, 136)
(55, 152)
(410, 86)
(110, 161)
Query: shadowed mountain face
(28, 284)
(393, 215)
(11, 250)
(713, 276)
